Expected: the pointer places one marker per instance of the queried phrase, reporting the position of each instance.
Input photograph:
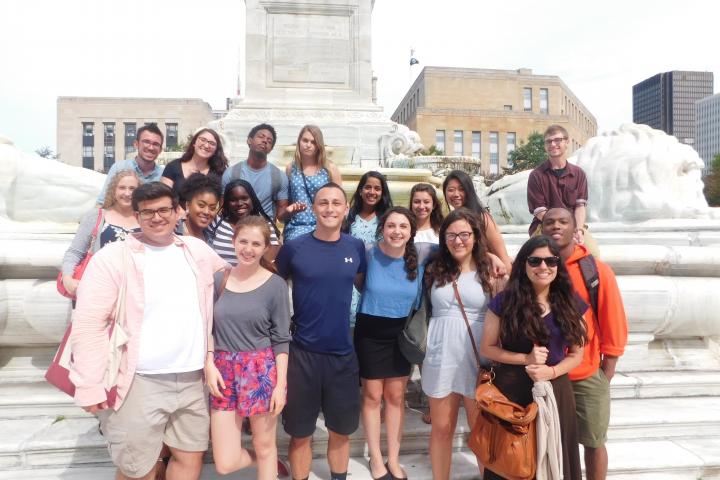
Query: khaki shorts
(592, 403)
(170, 408)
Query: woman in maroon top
(534, 331)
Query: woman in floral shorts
(246, 371)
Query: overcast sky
(163, 48)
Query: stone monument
(309, 62)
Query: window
(130, 132)
(544, 101)
(440, 140)
(458, 142)
(88, 159)
(171, 135)
(507, 108)
(527, 99)
(88, 129)
(510, 141)
(476, 144)
(494, 155)
(109, 145)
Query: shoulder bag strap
(94, 234)
(467, 323)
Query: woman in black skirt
(535, 331)
(392, 287)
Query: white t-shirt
(427, 236)
(172, 334)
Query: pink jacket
(97, 293)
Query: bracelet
(554, 374)
(211, 351)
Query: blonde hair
(320, 156)
(109, 201)
(255, 221)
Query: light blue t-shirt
(153, 176)
(261, 181)
(388, 292)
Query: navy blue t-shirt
(322, 276)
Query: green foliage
(433, 150)
(528, 155)
(46, 152)
(712, 183)
(181, 146)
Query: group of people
(208, 283)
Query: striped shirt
(221, 240)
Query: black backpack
(589, 271)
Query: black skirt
(377, 349)
(516, 385)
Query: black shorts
(321, 382)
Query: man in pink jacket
(168, 317)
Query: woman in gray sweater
(100, 226)
(246, 365)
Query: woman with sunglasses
(449, 372)
(204, 154)
(459, 191)
(534, 330)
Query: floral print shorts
(249, 377)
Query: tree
(712, 183)
(432, 151)
(46, 152)
(528, 155)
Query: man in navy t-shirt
(322, 368)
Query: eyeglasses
(556, 140)
(549, 261)
(150, 143)
(203, 141)
(463, 236)
(149, 213)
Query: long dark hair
(472, 202)
(436, 216)
(218, 162)
(356, 203)
(410, 256)
(522, 314)
(254, 201)
(443, 268)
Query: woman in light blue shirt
(391, 289)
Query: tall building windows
(440, 140)
(476, 144)
(458, 142)
(88, 142)
(544, 101)
(171, 135)
(130, 132)
(494, 155)
(510, 142)
(527, 99)
(109, 145)
(507, 108)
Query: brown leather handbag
(503, 437)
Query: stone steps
(47, 441)
(688, 459)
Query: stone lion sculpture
(635, 173)
(36, 189)
(400, 142)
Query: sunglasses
(549, 261)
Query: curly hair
(218, 163)
(109, 200)
(436, 216)
(410, 257)
(198, 183)
(521, 312)
(444, 269)
(356, 202)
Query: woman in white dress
(449, 371)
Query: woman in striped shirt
(239, 200)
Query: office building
(666, 101)
(95, 132)
(485, 114)
(707, 129)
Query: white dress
(450, 365)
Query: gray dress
(450, 365)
